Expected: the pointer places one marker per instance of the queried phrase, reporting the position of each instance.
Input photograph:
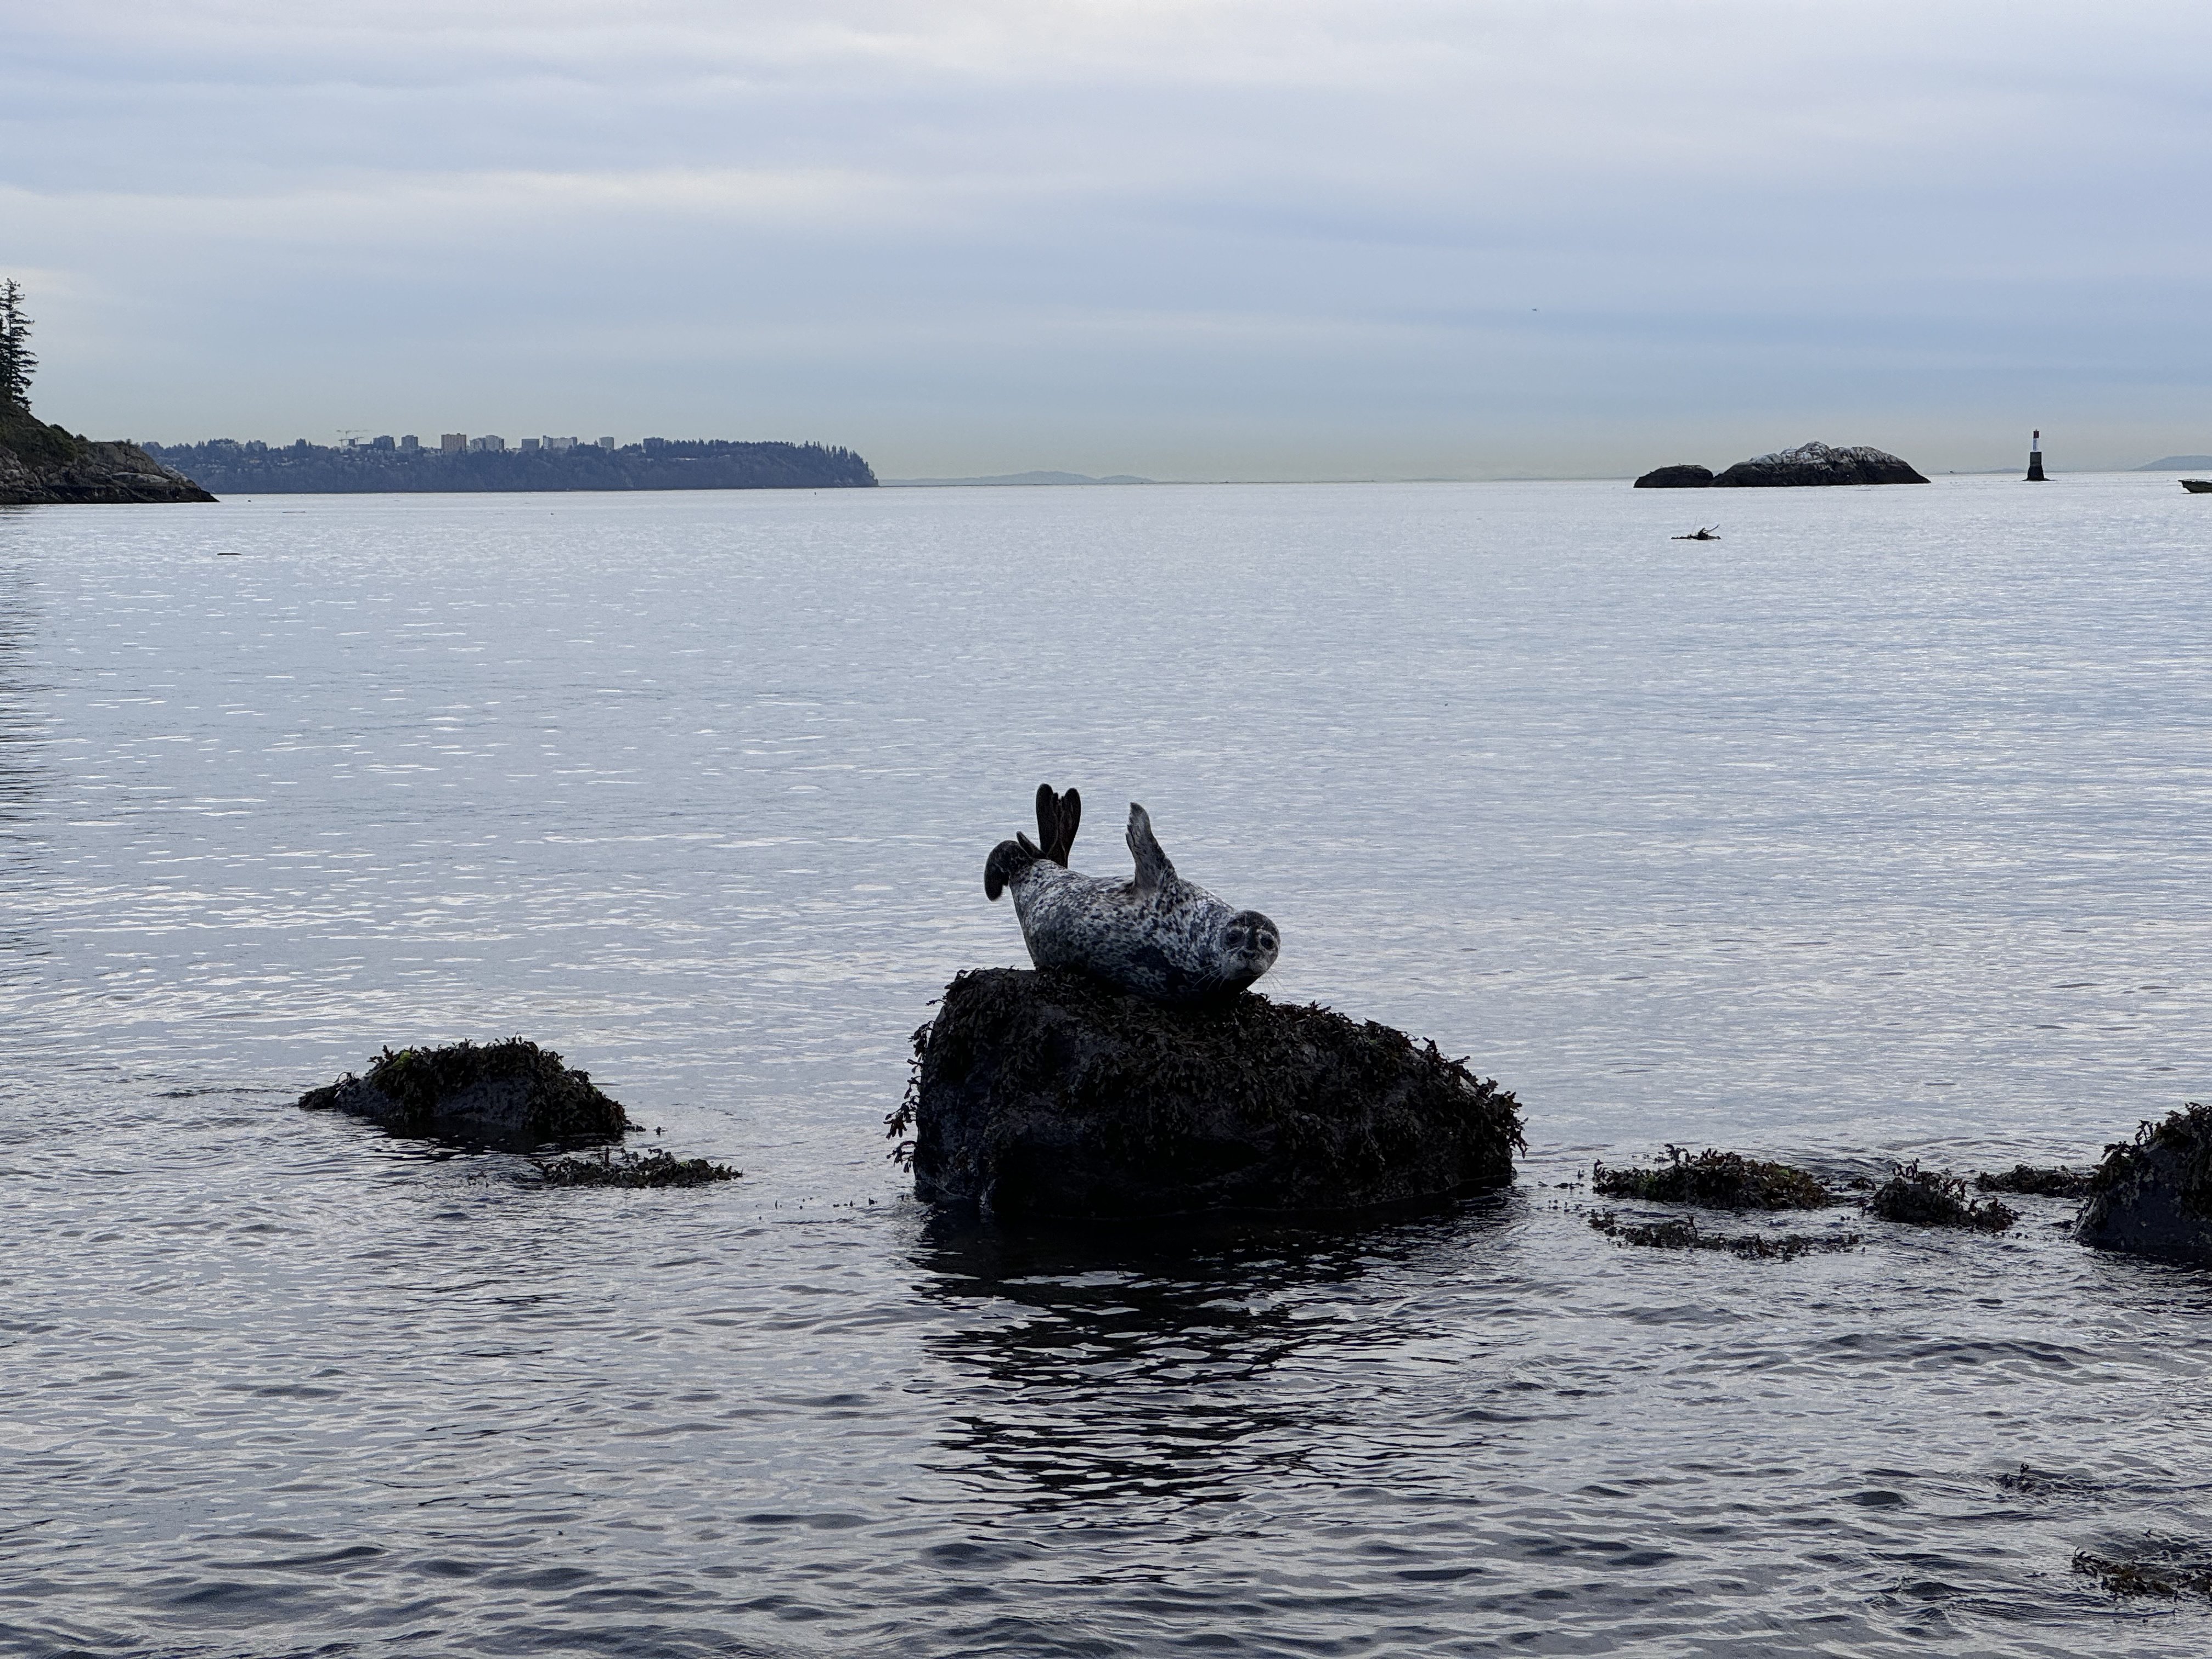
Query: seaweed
(2178, 1574)
(610, 1168)
(1682, 1233)
(1717, 1179)
(2031, 1482)
(2032, 1182)
(1935, 1198)
(2186, 1135)
(416, 1085)
(1047, 1093)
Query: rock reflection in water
(21, 769)
(1193, 1364)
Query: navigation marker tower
(2034, 458)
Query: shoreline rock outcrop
(512, 1094)
(2153, 1196)
(1808, 464)
(1047, 1096)
(1687, 477)
(43, 466)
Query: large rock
(2153, 1196)
(45, 466)
(1677, 477)
(1049, 1096)
(1818, 464)
(507, 1094)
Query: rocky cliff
(40, 465)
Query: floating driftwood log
(1047, 1095)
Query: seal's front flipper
(1153, 869)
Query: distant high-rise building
(410, 444)
(529, 445)
(384, 442)
(606, 443)
(560, 443)
(490, 444)
(453, 443)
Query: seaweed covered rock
(1682, 1233)
(1717, 1179)
(2031, 1182)
(512, 1093)
(1049, 1096)
(1933, 1197)
(2152, 1194)
(613, 1168)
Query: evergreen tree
(16, 361)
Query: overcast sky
(1191, 240)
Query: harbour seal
(1158, 936)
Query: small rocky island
(1050, 1097)
(1808, 464)
(47, 466)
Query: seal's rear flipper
(1057, 818)
(1153, 869)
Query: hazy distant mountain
(1015, 478)
(2178, 464)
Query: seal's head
(1247, 945)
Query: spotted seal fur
(1158, 936)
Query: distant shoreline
(231, 468)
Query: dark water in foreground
(1875, 830)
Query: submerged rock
(1676, 477)
(1682, 1233)
(652, 1168)
(510, 1093)
(1818, 464)
(2164, 1568)
(2033, 1182)
(2153, 1196)
(1933, 1197)
(1050, 1097)
(1720, 1180)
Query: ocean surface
(1879, 829)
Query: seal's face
(1248, 944)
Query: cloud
(1203, 236)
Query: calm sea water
(1877, 828)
